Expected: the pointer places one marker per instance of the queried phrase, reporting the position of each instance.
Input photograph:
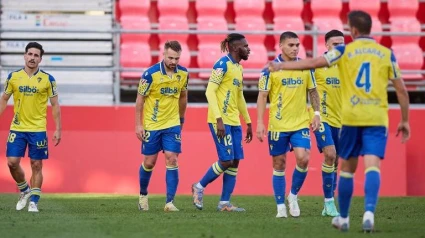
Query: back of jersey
(365, 68)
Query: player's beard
(171, 66)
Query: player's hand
(261, 132)
(273, 66)
(57, 137)
(404, 129)
(248, 137)
(315, 124)
(221, 131)
(181, 126)
(140, 132)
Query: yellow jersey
(365, 69)
(30, 96)
(329, 89)
(288, 97)
(227, 73)
(162, 94)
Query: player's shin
(327, 179)
(229, 182)
(212, 174)
(172, 180)
(144, 178)
(371, 189)
(345, 192)
(298, 178)
(279, 186)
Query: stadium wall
(100, 153)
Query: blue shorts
(281, 142)
(327, 135)
(17, 142)
(229, 147)
(166, 139)
(358, 141)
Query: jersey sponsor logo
(28, 89)
(169, 91)
(226, 103)
(291, 82)
(355, 100)
(236, 82)
(155, 111)
(333, 81)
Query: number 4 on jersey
(363, 77)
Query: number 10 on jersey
(363, 77)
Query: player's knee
(330, 157)
(303, 161)
(279, 163)
(149, 164)
(172, 161)
(36, 165)
(235, 163)
(13, 165)
(226, 164)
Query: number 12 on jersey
(363, 77)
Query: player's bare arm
(56, 111)
(182, 106)
(3, 102)
(261, 109)
(140, 101)
(212, 102)
(403, 100)
(318, 62)
(315, 103)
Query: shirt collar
(231, 58)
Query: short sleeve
(311, 80)
(394, 71)
(264, 82)
(8, 89)
(334, 55)
(218, 72)
(53, 90)
(186, 82)
(145, 84)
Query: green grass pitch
(88, 215)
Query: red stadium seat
(172, 16)
(372, 7)
(257, 60)
(287, 16)
(326, 18)
(403, 8)
(409, 57)
(131, 22)
(134, 55)
(134, 7)
(249, 17)
(208, 54)
(210, 17)
(406, 48)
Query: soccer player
(365, 69)
(160, 107)
(328, 86)
(288, 121)
(225, 102)
(31, 88)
